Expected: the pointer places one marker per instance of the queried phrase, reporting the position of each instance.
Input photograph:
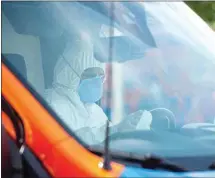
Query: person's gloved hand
(145, 121)
(139, 120)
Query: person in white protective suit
(74, 99)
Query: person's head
(71, 70)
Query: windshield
(94, 63)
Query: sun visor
(123, 49)
(32, 19)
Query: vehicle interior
(32, 49)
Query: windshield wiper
(148, 161)
(212, 166)
(154, 162)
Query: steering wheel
(150, 135)
(160, 115)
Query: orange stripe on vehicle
(8, 125)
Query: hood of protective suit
(77, 56)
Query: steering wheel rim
(168, 114)
(119, 128)
(149, 135)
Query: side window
(22, 50)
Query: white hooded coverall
(64, 99)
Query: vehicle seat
(18, 62)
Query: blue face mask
(91, 90)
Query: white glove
(145, 121)
(139, 120)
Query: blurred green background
(205, 9)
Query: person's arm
(67, 113)
(86, 135)
(140, 120)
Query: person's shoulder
(60, 103)
(96, 107)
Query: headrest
(18, 62)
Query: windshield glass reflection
(160, 75)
